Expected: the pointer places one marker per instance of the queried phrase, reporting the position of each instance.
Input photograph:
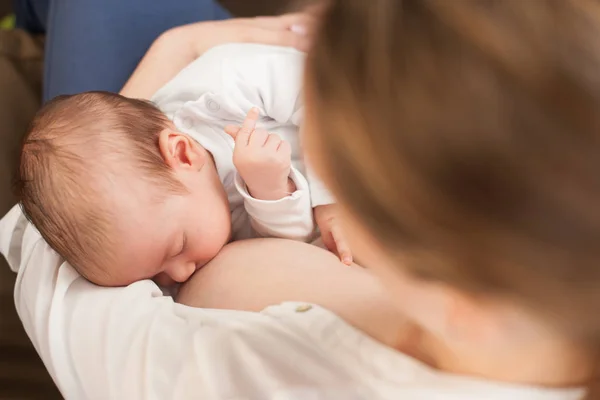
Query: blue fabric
(96, 44)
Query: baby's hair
(76, 143)
(475, 143)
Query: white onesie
(219, 89)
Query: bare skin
(242, 278)
(251, 275)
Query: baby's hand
(262, 159)
(331, 232)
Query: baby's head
(116, 190)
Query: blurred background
(22, 374)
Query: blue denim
(96, 44)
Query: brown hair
(475, 142)
(72, 144)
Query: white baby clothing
(219, 89)
(132, 343)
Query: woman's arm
(168, 55)
(178, 47)
(251, 275)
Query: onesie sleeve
(290, 217)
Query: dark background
(238, 7)
(22, 375)
(4, 7)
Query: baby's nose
(182, 272)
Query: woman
(444, 129)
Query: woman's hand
(290, 30)
(178, 47)
(332, 234)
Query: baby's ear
(181, 151)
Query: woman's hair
(465, 135)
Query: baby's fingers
(273, 142)
(232, 130)
(285, 149)
(258, 138)
(241, 135)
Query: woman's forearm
(168, 55)
(178, 47)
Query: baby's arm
(276, 196)
(228, 80)
(272, 81)
(270, 78)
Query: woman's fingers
(315, 10)
(290, 30)
(341, 246)
(329, 242)
(276, 31)
(284, 22)
(286, 38)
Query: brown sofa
(22, 375)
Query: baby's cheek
(214, 245)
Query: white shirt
(134, 343)
(219, 89)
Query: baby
(127, 189)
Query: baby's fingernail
(299, 29)
(347, 260)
